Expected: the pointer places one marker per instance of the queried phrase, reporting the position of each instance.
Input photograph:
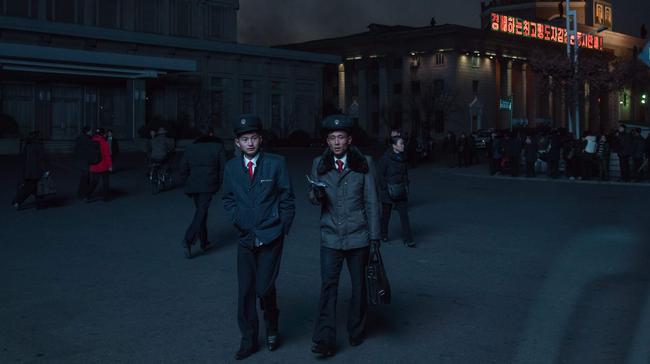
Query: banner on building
(550, 33)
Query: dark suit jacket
(262, 208)
(202, 165)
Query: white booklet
(313, 183)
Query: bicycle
(160, 177)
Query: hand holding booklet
(313, 183)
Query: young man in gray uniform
(349, 223)
(257, 195)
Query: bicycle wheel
(155, 181)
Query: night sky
(288, 21)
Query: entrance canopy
(28, 58)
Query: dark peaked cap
(337, 122)
(246, 123)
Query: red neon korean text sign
(547, 32)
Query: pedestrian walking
(603, 153)
(513, 148)
(202, 171)
(349, 224)
(462, 150)
(530, 154)
(449, 149)
(392, 175)
(625, 150)
(258, 196)
(86, 153)
(33, 169)
(495, 153)
(638, 152)
(102, 169)
(113, 146)
(554, 154)
(588, 155)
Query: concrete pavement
(506, 271)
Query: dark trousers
(331, 262)
(495, 165)
(26, 189)
(553, 168)
(603, 168)
(636, 166)
(402, 209)
(198, 229)
(587, 166)
(94, 181)
(257, 269)
(530, 168)
(84, 182)
(514, 165)
(625, 167)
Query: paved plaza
(505, 271)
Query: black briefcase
(377, 283)
(46, 186)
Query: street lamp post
(572, 33)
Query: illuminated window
(440, 59)
(599, 18)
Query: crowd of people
(585, 158)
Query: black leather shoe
(187, 249)
(322, 349)
(356, 341)
(384, 238)
(273, 342)
(409, 244)
(244, 353)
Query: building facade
(121, 63)
(455, 78)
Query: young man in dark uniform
(349, 224)
(257, 195)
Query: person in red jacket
(103, 168)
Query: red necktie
(340, 164)
(250, 170)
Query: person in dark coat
(86, 152)
(114, 146)
(392, 170)
(638, 151)
(349, 225)
(494, 149)
(102, 169)
(513, 147)
(530, 153)
(449, 148)
(202, 171)
(625, 149)
(462, 150)
(34, 167)
(603, 153)
(258, 197)
(554, 154)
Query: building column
(384, 90)
(363, 95)
(524, 92)
(136, 95)
(509, 79)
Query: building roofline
(118, 35)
